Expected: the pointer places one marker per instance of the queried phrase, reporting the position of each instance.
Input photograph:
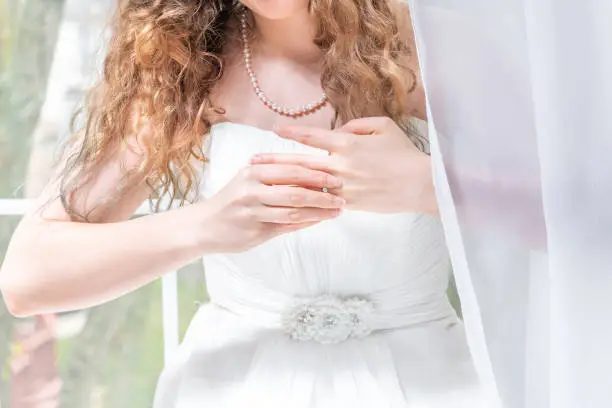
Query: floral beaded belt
(328, 319)
(332, 318)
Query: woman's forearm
(57, 266)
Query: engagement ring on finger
(324, 189)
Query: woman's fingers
(285, 228)
(289, 215)
(292, 194)
(289, 196)
(310, 161)
(275, 174)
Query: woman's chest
(283, 85)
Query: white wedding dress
(349, 313)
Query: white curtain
(520, 110)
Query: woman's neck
(291, 38)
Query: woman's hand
(380, 168)
(267, 200)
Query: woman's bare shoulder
(99, 197)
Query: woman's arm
(54, 264)
(58, 266)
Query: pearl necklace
(292, 113)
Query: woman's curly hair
(165, 56)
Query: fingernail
(335, 213)
(256, 159)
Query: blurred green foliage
(114, 361)
(28, 32)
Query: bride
(284, 126)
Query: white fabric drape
(519, 95)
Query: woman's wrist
(199, 221)
(421, 196)
(184, 231)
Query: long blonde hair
(166, 56)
